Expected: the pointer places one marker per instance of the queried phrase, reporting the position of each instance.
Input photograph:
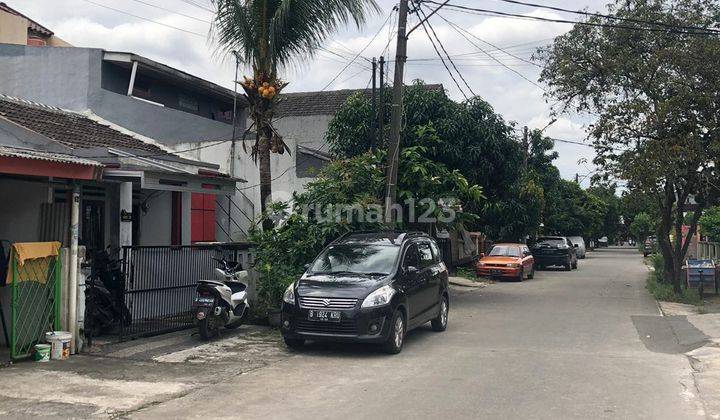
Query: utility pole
(526, 148)
(381, 108)
(373, 126)
(233, 145)
(396, 115)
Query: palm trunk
(265, 185)
(264, 132)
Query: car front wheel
(396, 337)
(294, 343)
(440, 323)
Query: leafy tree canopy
(710, 223)
(655, 98)
(331, 205)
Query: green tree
(474, 140)
(268, 35)
(710, 223)
(573, 211)
(332, 203)
(611, 224)
(642, 226)
(655, 97)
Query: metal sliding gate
(160, 283)
(34, 304)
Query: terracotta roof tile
(69, 128)
(321, 103)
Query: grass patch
(466, 273)
(663, 291)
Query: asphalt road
(578, 344)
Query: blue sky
(183, 43)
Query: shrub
(663, 291)
(282, 252)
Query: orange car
(510, 261)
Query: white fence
(708, 251)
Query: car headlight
(379, 297)
(289, 295)
(481, 264)
(514, 265)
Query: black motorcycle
(105, 307)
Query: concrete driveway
(583, 344)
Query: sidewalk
(122, 377)
(463, 282)
(705, 358)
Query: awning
(167, 181)
(19, 161)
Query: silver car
(580, 242)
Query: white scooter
(221, 302)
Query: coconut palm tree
(268, 35)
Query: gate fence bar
(160, 283)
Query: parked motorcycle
(221, 302)
(105, 295)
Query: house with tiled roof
(16, 28)
(151, 99)
(128, 192)
(35, 137)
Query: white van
(580, 242)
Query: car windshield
(356, 259)
(505, 251)
(551, 241)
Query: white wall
(308, 131)
(156, 224)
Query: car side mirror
(482, 255)
(411, 269)
(306, 266)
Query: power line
(425, 24)
(461, 31)
(472, 10)
(146, 19)
(503, 50)
(358, 54)
(632, 20)
(171, 11)
(192, 3)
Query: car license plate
(495, 271)
(328, 316)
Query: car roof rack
(408, 234)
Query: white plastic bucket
(60, 344)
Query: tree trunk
(663, 233)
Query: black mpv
(370, 287)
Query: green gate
(35, 302)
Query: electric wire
(358, 54)
(146, 19)
(503, 50)
(462, 31)
(473, 10)
(426, 24)
(171, 11)
(623, 19)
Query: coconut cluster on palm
(268, 35)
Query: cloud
(85, 24)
